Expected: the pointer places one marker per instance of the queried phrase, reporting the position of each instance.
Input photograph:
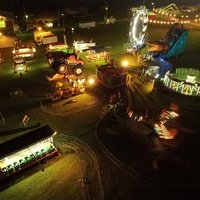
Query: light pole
(152, 5)
(26, 16)
(16, 18)
(106, 14)
(63, 18)
(58, 19)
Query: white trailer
(45, 37)
(49, 39)
(82, 45)
(87, 24)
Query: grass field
(57, 177)
(115, 36)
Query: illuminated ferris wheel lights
(138, 27)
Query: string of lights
(184, 19)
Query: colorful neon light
(185, 81)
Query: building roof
(110, 70)
(6, 14)
(25, 140)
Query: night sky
(16, 6)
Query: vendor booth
(26, 150)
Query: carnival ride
(185, 81)
(173, 44)
(153, 64)
(55, 57)
(140, 76)
(149, 117)
(66, 88)
(69, 76)
(112, 75)
(165, 127)
(138, 28)
(66, 64)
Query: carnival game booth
(57, 47)
(137, 29)
(97, 54)
(111, 76)
(26, 150)
(82, 45)
(24, 51)
(185, 81)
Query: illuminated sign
(2, 24)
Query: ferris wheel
(138, 27)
